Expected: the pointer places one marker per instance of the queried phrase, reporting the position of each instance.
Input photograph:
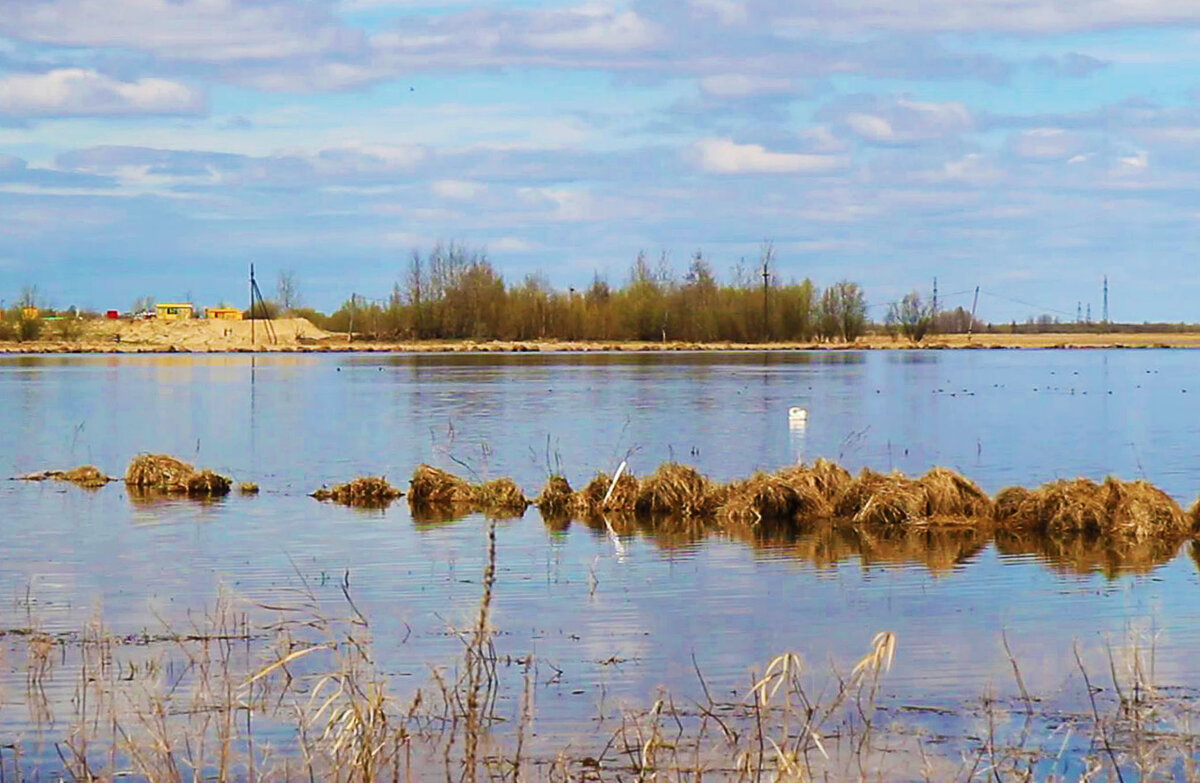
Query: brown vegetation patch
(855, 495)
(950, 494)
(435, 487)
(827, 478)
(1133, 510)
(679, 491)
(762, 497)
(164, 473)
(85, 476)
(248, 488)
(500, 497)
(590, 501)
(555, 498)
(365, 491)
(895, 499)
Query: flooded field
(612, 655)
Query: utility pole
(1079, 312)
(766, 274)
(971, 323)
(935, 302)
(252, 287)
(1105, 318)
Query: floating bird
(796, 413)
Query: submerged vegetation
(86, 476)
(437, 494)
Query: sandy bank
(299, 335)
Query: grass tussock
(824, 477)
(555, 498)
(677, 490)
(86, 476)
(248, 488)
(431, 486)
(365, 492)
(590, 501)
(761, 498)
(501, 497)
(1115, 509)
(895, 499)
(166, 474)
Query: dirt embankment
(298, 334)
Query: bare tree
(287, 290)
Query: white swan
(796, 413)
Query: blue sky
(1030, 147)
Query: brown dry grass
(164, 473)
(678, 490)
(941, 495)
(761, 498)
(1134, 510)
(589, 501)
(86, 476)
(435, 487)
(500, 497)
(365, 491)
(555, 498)
(827, 478)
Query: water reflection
(1084, 554)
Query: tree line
(454, 292)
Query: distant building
(174, 311)
(29, 313)
(222, 313)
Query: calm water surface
(618, 620)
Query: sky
(1027, 147)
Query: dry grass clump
(1133, 510)
(950, 494)
(164, 473)
(895, 499)
(555, 499)
(1009, 500)
(86, 476)
(365, 491)
(760, 498)
(827, 478)
(248, 488)
(677, 490)
(589, 501)
(435, 487)
(500, 496)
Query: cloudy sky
(156, 147)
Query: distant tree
(142, 304)
(911, 316)
(287, 290)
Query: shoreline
(1046, 341)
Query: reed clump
(761, 498)
(365, 491)
(432, 486)
(678, 490)
(825, 477)
(1133, 510)
(86, 476)
(591, 500)
(248, 488)
(940, 495)
(554, 501)
(166, 474)
(500, 496)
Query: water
(617, 621)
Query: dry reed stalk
(827, 478)
(854, 495)
(949, 494)
(365, 491)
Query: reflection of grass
(290, 691)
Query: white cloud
(736, 85)
(905, 121)
(79, 92)
(592, 29)
(728, 12)
(724, 156)
(1048, 144)
(511, 245)
(458, 190)
(198, 30)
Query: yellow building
(174, 311)
(223, 313)
(29, 313)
